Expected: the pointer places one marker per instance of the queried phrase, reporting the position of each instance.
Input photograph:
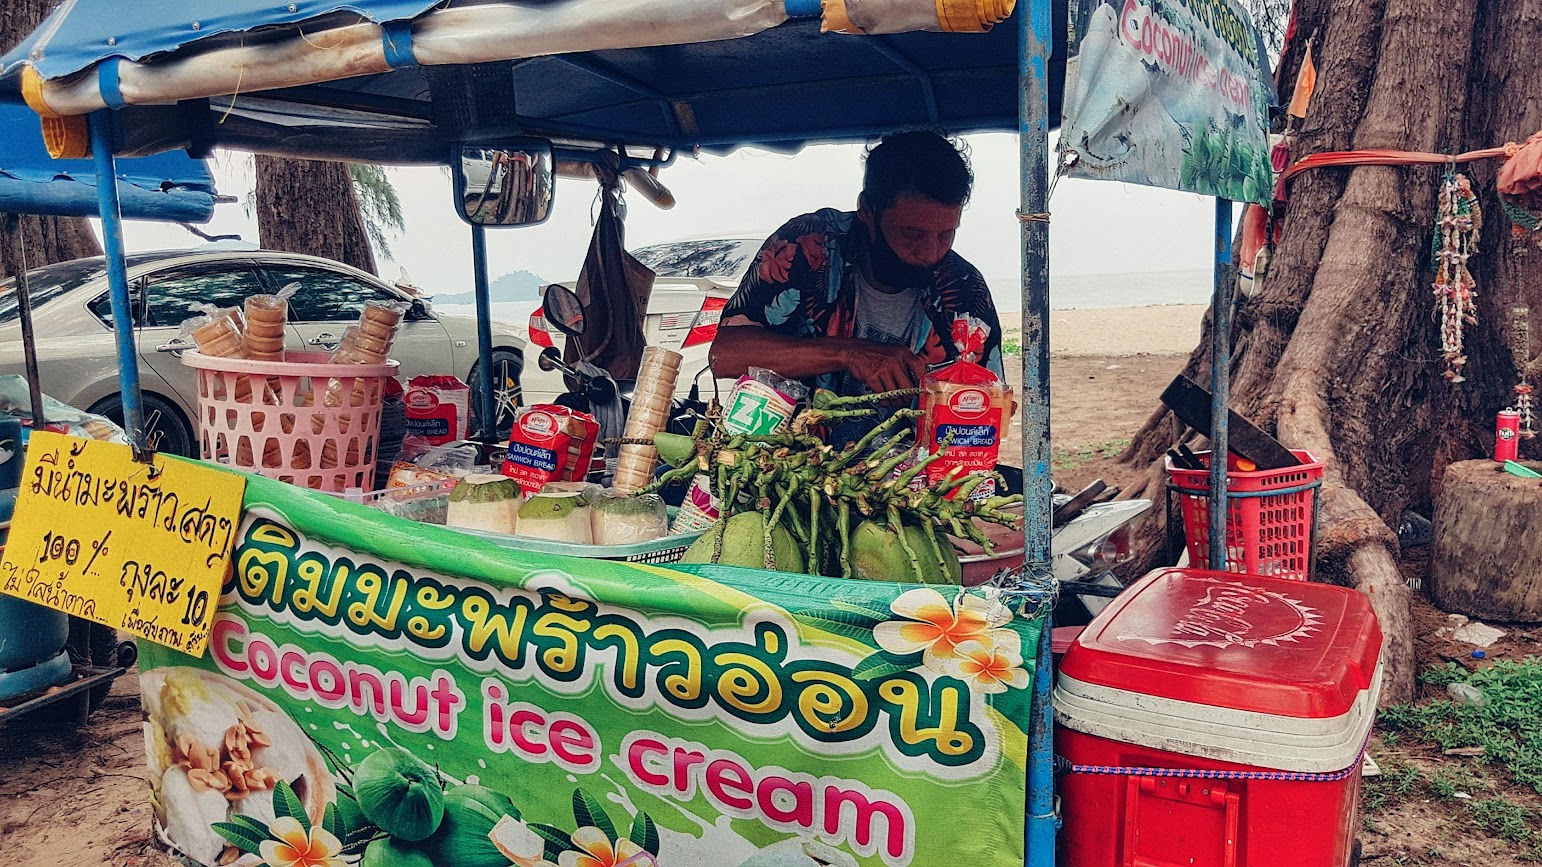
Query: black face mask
(892, 271)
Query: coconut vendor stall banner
(1168, 93)
(388, 693)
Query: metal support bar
(898, 58)
(1034, 43)
(620, 79)
(111, 211)
(24, 313)
(90, 678)
(487, 408)
(1220, 382)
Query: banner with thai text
(1168, 93)
(383, 692)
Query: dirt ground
(76, 797)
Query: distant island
(514, 287)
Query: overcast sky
(1097, 227)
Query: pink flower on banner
(990, 668)
(596, 850)
(296, 848)
(936, 627)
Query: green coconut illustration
(464, 838)
(400, 793)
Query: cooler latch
(1177, 822)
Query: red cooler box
(1217, 720)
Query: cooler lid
(1267, 645)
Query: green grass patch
(1508, 726)
(1012, 345)
(1447, 782)
(1397, 783)
(1063, 460)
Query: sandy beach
(1108, 369)
(1171, 329)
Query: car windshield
(716, 258)
(46, 284)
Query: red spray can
(1507, 436)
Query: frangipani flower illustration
(293, 847)
(989, 668)
(597, 850)
(936, 628)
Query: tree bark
(311, 207)
(1339, 352)
(1486, 564)
(47, 239)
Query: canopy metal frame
(1036, 41)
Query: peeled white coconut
(627, 520)
(157, 752)
(561, 516)
(287, 756)
(189, 706)
(484, 501)
(257, 806)
(189, 815)
(516, 841)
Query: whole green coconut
(399, 793)
(391, 852)
(744, 544)
(470, 812)
(877, 555)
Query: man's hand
(880, 366)
(884, 367)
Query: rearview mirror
(507, 184)
(563, 310)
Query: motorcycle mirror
(507, 183)
(549, 359)
(563, 310)
(601, 391)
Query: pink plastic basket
(273, 418)
(1271, 516)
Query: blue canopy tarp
(80, 34)
(780, 87)
(171, 186)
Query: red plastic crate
(1270, 516)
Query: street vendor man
(866, 302)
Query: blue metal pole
(1034, 42)
(111, 211)
(1220, 381)
(487, 409)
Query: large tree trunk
(46, 239)
(1340, 350)
(311, 207)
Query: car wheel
(165, 429)
(507, 394)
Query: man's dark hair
(922, 163)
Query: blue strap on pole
(396, 39)
(111, 213)
(109, 82)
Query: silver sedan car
(77, 356)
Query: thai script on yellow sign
(142, 547)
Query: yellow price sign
(142, 547)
